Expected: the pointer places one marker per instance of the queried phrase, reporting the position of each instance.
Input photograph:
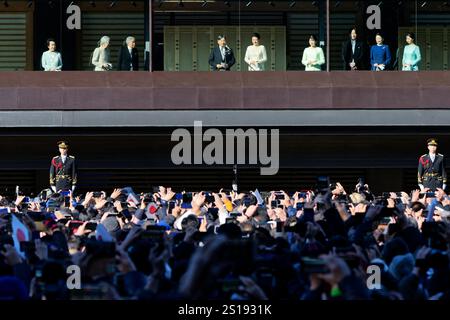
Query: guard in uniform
(63, 175)
(431, 172)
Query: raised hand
(116, 193)
(88, 198)
(198, 200)
(168, 194)
(19, 200)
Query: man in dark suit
(431, 171)
(353, 52)
(221, 57)
(63, 174)
(128, 56)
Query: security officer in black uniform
(431, 172)
(63, 174)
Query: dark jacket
(215, 58)
(63, 176)
(396, 65)
(125, 59)
(431, 174)
(358, 56)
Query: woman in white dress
(101, 55)
(256, 55)
(313, 57)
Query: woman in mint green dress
(411, 54)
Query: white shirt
(257, 54)
(63, 158)
(130, 50)
(432, 157)
(222, 51)
(178, 222)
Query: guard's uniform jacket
(63, 175)
(432, 174)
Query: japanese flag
(151, 208)
(132, 198)
(20, 233)
(258, 196)
(101, 234)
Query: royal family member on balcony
(222, 56)
(313, 57)
(353, 52)
(51, 59)
(256, 55)
(411, 54)
(380, 55)
(128, 56)
(101, 55)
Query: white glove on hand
(53, 188)
(444, 186)
(421, 187)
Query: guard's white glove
(53, 188)
(421, 187)
(444, 186)
(73, 188)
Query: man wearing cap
(63, 175)
(431, 172)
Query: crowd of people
(163, 245)
(355, 55)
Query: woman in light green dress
(411, 54)
(313, 57)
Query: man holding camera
(63, 175)
(431, 172)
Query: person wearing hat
(431, 172)
(63, 175)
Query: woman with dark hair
(51, 60)
(380, 55)
(313, 57)
(411, 54)
(256, 55)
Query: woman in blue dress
(380, 55)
